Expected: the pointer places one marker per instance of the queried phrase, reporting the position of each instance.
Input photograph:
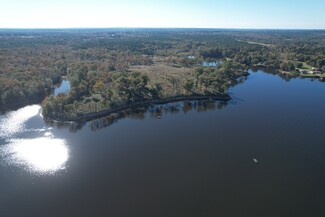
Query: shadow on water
(154, 111)
(284, 76)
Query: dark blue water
(183, 159)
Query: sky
(251, 14)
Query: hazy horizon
(149, 28)
(206, 14)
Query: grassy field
(257, 43)
(305, 67)
(160, 72)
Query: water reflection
(34, 149)
(44, 155)
(14, 122)
(155, 111)
(283, 76)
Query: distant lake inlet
(63, 87)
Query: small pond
(63, 87)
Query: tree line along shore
(110, 69)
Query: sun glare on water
(42, 154)
(14, 121)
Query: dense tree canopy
(108, 68)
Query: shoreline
(18, 105)
(94, 115)
(321, 77)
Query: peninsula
(114, 69)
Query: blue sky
(279, 14)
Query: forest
(112, 68)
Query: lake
(181, 159)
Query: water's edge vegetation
(110, 71)
(94, 115)
(126, 90)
